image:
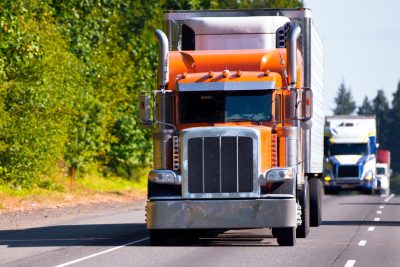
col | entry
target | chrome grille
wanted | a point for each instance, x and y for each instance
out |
(220, 164)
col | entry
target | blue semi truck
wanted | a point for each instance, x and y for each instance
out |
(350, 153)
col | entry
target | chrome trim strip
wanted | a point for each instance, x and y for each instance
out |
(220, 169)
(290, 13)
(237, 163)
(225, 86)
(202, 159)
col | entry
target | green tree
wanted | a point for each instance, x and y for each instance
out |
(381, 108)
(393, 127)
(365, 108)
(380, 103)
(345, 105)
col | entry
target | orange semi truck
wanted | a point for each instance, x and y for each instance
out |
(238, 124)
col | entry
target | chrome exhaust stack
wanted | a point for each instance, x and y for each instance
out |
(163, 63)
(291, 47)
(162, 137)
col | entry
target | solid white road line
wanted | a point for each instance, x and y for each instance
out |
(371, 228)
(381, 207)
(100, 253)
(350, 263)
(362, 243)
(389, 198)
(379, 212)
(377, 219)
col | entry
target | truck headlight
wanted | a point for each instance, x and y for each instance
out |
(278, 175)
(368, 176)
(164, 177)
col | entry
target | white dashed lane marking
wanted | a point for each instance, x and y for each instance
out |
(362, 243)
(389, 198)
(100, 253)
(350, 263)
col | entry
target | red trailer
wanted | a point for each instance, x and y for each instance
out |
(383, 156)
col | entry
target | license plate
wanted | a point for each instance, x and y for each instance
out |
(348, 186)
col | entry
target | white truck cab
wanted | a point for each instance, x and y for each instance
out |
(383, 178)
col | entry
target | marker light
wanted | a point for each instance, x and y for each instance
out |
(368, 176)
(164, 177)
(327, 178)
(278, 175)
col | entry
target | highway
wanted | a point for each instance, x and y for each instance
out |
(357, 230)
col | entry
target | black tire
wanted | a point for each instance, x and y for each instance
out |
(285, 236)
(368, 191)
(315, 187)
(159, 237)
(304, 201)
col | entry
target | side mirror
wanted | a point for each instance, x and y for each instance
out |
(144, 110)
(306, 104)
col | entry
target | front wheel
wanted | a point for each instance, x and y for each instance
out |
(368, 191)
(285, 236)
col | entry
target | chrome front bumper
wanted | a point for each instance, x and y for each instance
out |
(221, 214)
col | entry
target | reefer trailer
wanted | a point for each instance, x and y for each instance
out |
(238, 124)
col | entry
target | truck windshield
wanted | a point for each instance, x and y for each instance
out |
(225, 106)
(380, 171)
(348, 149)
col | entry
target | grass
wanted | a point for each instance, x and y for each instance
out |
(60, 191)
(109, 184)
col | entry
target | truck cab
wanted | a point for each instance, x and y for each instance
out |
(350, 153)
(383, 178)
(233, 124)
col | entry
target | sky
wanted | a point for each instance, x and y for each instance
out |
(361, 46)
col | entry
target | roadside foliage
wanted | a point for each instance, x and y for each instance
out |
(70, 76)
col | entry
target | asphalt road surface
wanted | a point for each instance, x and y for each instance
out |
(357, 230)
